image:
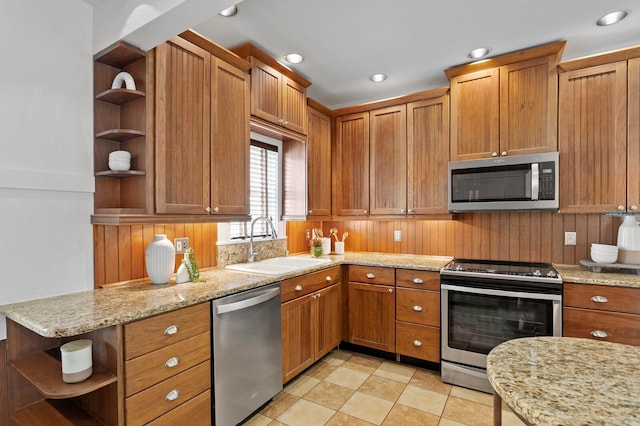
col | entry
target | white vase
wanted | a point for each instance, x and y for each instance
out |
(160, 259)
(629, 234)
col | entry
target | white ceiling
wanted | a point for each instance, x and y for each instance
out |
(412, 41)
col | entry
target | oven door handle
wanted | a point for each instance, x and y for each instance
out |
(493, 292)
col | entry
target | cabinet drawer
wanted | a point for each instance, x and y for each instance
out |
(305, 284)
(411, 278)
(151, 368)
(158, 399)
(152, 333)
(372, 274)
(619, 328)
(418, 341)
(197, 410)
(418, 306)
(618, 299)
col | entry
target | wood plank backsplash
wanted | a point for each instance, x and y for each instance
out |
(537, 237)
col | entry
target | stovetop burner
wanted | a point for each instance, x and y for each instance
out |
(502, 270)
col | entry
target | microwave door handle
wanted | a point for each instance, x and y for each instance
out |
(535, 180)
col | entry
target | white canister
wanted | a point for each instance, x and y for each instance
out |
(339, 247)
(326, 246)
(160, 259)
(629, 234)
(76, 360)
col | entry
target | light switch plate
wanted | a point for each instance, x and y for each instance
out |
(569, 238)
(397, 236)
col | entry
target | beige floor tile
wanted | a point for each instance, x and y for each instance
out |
(347, 377)
(342, 419)
(276, 423)
(279, 405)
(366, 407)
(472, 395)
(258, 420)
(401, 415)
(301, 385)
(306, 413)
(395, 371)
(423, 399)
(329, 395)
(382, 388)
(362, 363)
(468, 412)
(321, 370)
(447, 422)
(430, 380)
(339, 356)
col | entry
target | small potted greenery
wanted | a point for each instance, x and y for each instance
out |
(316, 246)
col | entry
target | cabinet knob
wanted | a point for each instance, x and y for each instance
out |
(418, 281)
(410, 211)
(173, 395)
(417, 308)
(285, 122)
(172, 362)
(365, 211)
(599, 299)
(328, 278)
(172, 329)
(390, 290)
(494, 154)
(310, 212)
(599, 334)
(403, 211)
(371, 275)
(621, 207)
(298, 288)
(417, 343)
(634, 208)
(216, 209)
(208, 210)
(503, 153)
(281, 121)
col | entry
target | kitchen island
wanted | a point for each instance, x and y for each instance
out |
(568, 381)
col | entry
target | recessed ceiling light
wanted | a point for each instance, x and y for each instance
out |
(611, 18)
(377, 78)
(479, 52)
(229, 12)
(293, 58)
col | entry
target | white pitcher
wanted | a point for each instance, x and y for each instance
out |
(629, 234)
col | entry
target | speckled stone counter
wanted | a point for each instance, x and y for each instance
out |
(76, 313)
(580, 274)
(567, 381)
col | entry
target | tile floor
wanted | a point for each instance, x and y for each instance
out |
(347, 388)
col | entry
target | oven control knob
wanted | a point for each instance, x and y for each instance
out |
(537, 273)
(552, 274)
(448, 267)
(459, 268)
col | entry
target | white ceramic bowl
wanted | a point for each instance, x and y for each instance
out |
(120, 155)
(117, 165)
(607, 248)
(600, 257)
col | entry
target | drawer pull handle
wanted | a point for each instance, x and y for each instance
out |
(172, 329)
(417, 343)
(417, 308)
(599, 299)
(418, 281)
(370, 275)
(298, 287)
(328, 278)
(172, 362)
(599, 334)
(173, 395)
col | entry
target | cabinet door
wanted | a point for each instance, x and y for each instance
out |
(319, 164)
(427, 156)
(633, 142)
(388, 160)
(372, 316)
(294, 106)
(593, 134)
(183, 76)
(265, 91)
(351, 177)
(529, 107)
(298, 343)
(329, 308)
(229, 139)
(475, 120)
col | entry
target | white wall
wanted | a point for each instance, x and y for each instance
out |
(46, 149)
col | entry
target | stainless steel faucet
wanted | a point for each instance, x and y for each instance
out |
(274, 234)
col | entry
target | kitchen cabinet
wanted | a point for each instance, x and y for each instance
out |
(318, 160)
(601, 313)
(418, 314)
(372, 307)
(505, 106)
(311, 319)
(278, 95)
(202, 132)
(120, 124)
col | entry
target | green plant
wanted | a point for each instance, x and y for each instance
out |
(192, 266)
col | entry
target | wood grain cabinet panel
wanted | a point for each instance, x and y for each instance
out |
(418, 341)
(418, 306)
(293, 288)
(298, 327)
(420, 280)
(197, 410)
(318, 164)
(633, 135)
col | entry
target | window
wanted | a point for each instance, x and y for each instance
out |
(264, 188)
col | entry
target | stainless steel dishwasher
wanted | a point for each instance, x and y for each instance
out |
(247, 352)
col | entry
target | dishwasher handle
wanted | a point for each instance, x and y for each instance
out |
(247, 303)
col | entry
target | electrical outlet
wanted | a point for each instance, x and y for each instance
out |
(569, 238)
(397, 235)
(307, 234)
(181, 244)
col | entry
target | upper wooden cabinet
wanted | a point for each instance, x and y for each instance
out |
(506, 105)
(318, 164)
(278, 95)
(202, 132)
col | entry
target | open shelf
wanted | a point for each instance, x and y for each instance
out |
(119, 96)
(119, 135)
(119, 55)
(53, 413)
(120, 173)
(44, 372)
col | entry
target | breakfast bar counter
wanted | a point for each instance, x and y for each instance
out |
(566, 381)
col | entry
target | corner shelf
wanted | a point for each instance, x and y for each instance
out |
(120, 173)
(54, 412)
(119, 135)
(119, 96)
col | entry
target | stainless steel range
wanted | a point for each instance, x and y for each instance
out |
(484, 303)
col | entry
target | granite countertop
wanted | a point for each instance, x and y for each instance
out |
(76, 313)
(567, 381)
(580, 274)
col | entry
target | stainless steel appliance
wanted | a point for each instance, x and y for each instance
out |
(484, 303)
(521, 182)
(247, 352)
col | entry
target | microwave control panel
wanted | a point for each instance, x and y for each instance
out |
(547, 188)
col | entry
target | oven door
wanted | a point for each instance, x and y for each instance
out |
(475, 320)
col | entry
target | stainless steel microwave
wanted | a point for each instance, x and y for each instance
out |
(521, 182)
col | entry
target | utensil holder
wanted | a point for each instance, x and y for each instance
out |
(339, 247)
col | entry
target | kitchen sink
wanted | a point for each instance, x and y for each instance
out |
(278, 265)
